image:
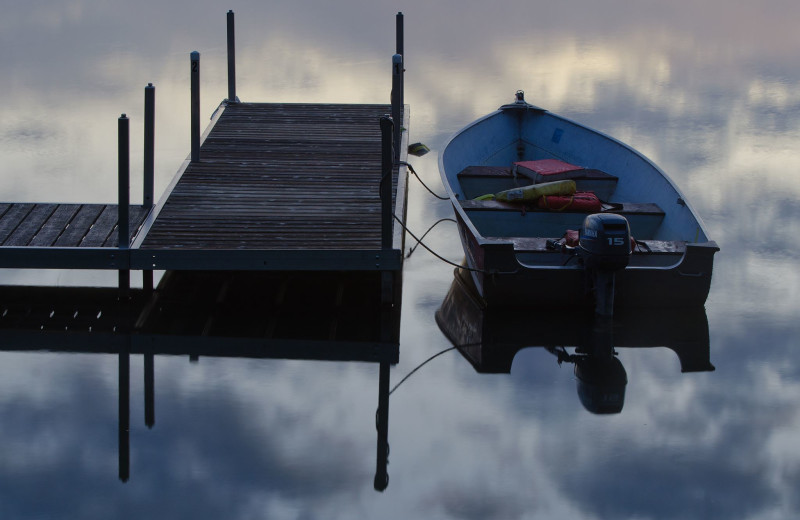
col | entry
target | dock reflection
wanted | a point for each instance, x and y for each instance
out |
(490, 338)
(270, 315)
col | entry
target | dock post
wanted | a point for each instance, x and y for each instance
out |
(399, 50)
(149, 164)
(399, 33)
(231, 60)
(195, 126)
(397, 102)
(149, 144)
(123, 210)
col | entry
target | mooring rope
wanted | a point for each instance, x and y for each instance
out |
(446, 219)
(434, 253)
(420, 366)
(411, 168)
(431, 251)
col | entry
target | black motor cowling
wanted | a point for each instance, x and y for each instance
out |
(604, 247)
(605, 242)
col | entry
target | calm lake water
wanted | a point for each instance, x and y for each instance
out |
(709, 90)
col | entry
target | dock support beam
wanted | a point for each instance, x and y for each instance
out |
(149, 144)
(399, 34)
(123, 209)
(397, 102)
(387, 277)
(231, 60)
(149, 164)
(387, 162)
(195, 125)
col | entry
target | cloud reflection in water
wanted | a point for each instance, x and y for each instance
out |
(709, 91)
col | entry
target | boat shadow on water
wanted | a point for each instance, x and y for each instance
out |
(267, 315)
(490, 337)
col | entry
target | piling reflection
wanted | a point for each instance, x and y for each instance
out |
(490, 338)
(304, 316)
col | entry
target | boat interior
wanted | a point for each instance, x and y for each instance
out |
(529, 227)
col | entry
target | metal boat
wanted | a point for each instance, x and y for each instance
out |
(642, 245)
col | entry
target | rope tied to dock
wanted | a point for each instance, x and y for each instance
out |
(412, 249)
(421, 243)
(411, 169)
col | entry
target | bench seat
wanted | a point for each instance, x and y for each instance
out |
(495, 218)
(480, 180)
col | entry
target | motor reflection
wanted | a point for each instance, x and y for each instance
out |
(489, 338)
(599, 374)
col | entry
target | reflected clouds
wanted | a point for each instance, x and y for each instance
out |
(216, 450)
(709, 91)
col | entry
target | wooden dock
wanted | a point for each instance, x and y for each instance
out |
(269, 186)
(277, 187)
(278, 233)
(67, 236)
(302, 191)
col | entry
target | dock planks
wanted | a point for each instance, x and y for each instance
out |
(63, 225)
(280, 177)
(277, 187)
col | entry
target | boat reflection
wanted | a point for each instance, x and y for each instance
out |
(489, 338)
(308, 316)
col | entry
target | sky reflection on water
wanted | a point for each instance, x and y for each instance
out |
(710, 91)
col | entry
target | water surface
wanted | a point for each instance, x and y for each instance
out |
(708, 90)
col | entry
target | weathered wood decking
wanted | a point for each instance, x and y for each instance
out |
(63, 225)
(63, 235)
(279, 177)
(277, 187)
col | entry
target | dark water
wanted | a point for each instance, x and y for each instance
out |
(709, 91)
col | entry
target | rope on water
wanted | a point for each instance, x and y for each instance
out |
(420, 366)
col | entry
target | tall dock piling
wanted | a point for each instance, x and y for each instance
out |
(399, 33)
(195, 104)
(123, 207)
(397, 102)
(149, 164)
(231, 60)
(149, 145)
(387, 162)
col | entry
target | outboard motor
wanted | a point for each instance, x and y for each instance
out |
(604, 247)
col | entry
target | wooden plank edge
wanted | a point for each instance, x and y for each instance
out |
(267, 260)
(401, 193)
